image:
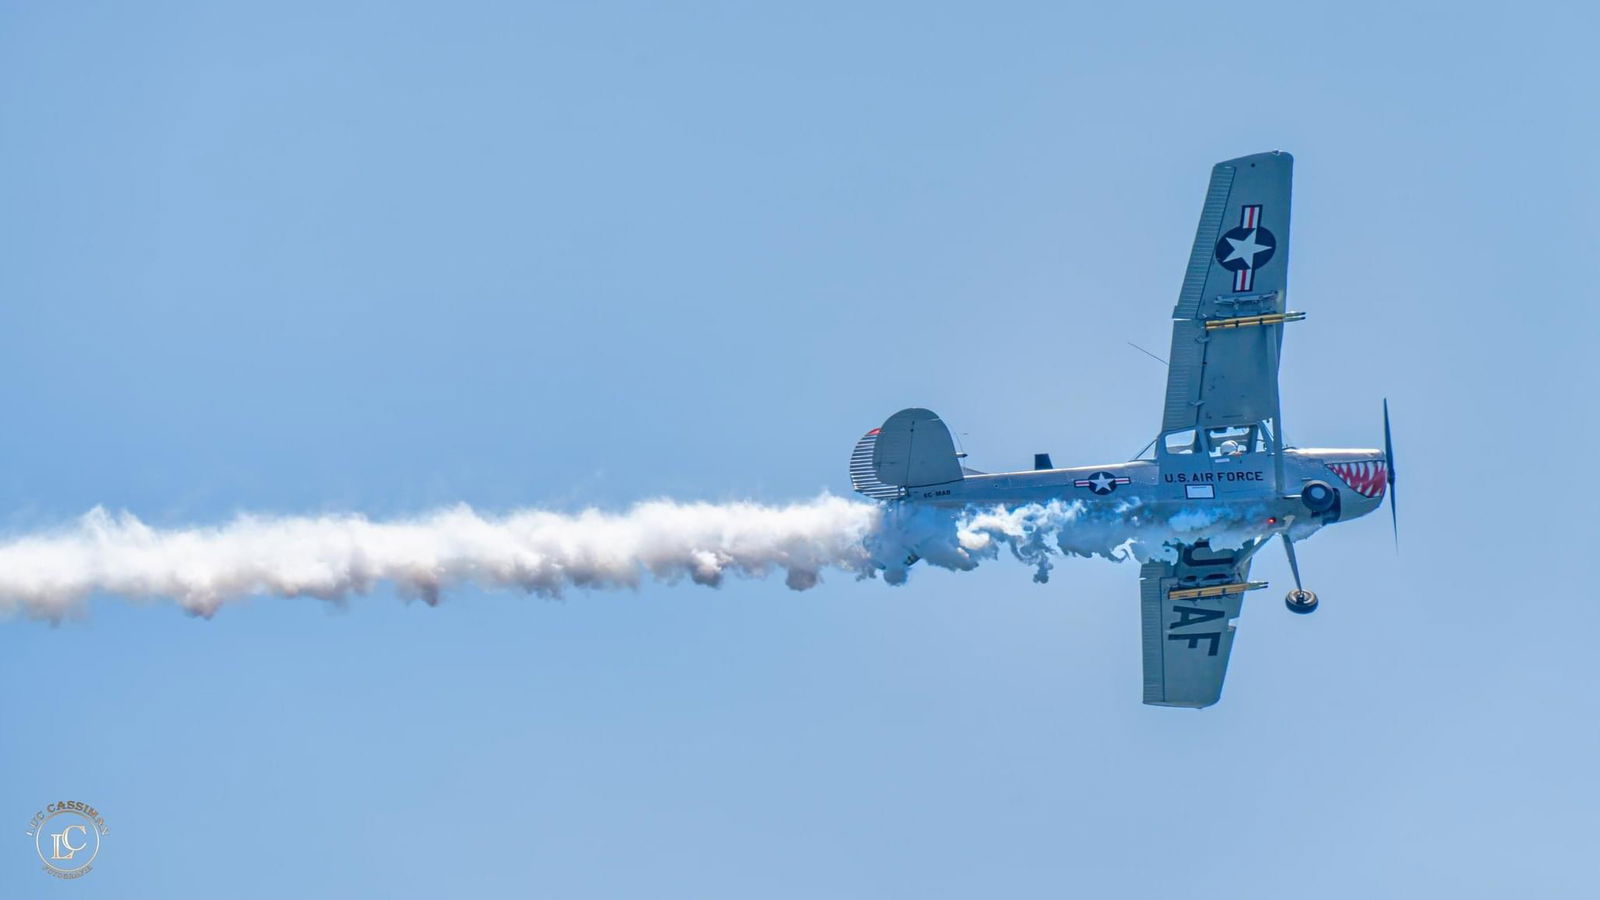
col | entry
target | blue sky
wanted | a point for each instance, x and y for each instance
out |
(383, 257)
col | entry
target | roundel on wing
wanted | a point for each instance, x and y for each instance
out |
(1246, 248)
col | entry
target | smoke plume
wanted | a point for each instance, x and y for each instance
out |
(48, 575)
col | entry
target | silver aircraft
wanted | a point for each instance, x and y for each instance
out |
(1219, 485)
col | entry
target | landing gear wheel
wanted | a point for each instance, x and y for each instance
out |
(1301, 602)
(1318, 496)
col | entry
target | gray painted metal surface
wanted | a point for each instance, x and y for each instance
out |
(1218, 458)
(1239, 266)
(914, 448)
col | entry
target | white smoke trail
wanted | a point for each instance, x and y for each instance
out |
(332, 557)
(545, 553)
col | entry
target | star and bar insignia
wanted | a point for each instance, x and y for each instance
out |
(1102, 482)
(1247, 248)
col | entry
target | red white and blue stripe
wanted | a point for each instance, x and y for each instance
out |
(1249, 219)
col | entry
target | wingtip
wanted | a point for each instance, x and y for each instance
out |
(1279, 157)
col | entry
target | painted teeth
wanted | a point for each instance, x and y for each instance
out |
(1368, 477)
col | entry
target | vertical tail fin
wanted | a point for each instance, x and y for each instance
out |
(912, 449)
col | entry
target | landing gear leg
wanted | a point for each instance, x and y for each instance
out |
(1298, 600)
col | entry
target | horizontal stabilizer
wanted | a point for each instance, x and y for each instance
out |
(863, 477)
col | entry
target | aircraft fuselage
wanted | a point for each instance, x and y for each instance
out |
(1243, 488)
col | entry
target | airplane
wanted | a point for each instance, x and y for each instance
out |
(1219, 457)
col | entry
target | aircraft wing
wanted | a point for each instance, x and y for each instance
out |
(1238, 269)
(1187, 639)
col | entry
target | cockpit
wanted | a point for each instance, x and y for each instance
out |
(1224, 442)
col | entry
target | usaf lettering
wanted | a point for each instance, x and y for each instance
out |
(1194, 615)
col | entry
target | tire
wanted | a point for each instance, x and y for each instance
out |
(1318, 496)
(1301, 602)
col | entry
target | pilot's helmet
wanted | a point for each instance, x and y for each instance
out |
(1231, 448)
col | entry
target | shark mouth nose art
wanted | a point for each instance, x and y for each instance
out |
(1368, 477)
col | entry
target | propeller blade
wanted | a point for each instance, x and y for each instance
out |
(1388, 458)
